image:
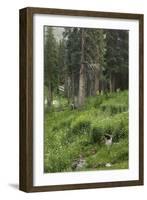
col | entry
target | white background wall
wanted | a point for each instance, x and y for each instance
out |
(9, 93)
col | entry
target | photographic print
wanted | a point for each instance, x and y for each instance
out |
(81, 99)
(85, 99)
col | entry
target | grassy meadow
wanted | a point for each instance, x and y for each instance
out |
(74, 138)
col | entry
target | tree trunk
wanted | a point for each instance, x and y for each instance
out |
(67, 88)
(49, 95)
(112, 83)
(97, 77)
(73, 87)
(82, 87)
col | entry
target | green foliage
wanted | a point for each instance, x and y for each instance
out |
(61, 61)
(94, 101)
(117, 156)
(80, 125)
(70, 134)
(117, 44)
(116, 56)
(50, 58)
(97, 134)
(116, 126)
(107, 50)
(115, 103)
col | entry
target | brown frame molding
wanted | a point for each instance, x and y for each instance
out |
(26, 99)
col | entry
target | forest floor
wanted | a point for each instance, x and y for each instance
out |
(74, 140)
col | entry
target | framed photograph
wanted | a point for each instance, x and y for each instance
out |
(81, 99)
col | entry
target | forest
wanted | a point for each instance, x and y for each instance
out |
(85, 99)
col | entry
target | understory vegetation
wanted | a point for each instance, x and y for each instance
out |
(74, 139)
(85, 99)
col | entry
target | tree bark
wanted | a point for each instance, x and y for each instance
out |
(97, 77)
(73, 87)
(67, 88)
(112, 82)
(82, 86)
(49, 95)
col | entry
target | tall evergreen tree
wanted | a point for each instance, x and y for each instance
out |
(84, 47)
(50, 62)
(73, 61)
(117, 59)
(61, 62)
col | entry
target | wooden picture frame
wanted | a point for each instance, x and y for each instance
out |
(26, 174)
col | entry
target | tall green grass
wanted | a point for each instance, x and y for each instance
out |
(69, 134)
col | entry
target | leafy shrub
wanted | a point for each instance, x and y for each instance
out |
(80, 125)
(120, 123)
(97, 133)
(116, 126)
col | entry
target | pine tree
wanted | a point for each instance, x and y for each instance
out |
(61, 62)
(117, 59)
(50, 63)
(85, 47)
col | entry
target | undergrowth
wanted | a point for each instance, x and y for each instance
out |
(71, 134)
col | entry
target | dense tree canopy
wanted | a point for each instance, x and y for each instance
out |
(85, 62)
